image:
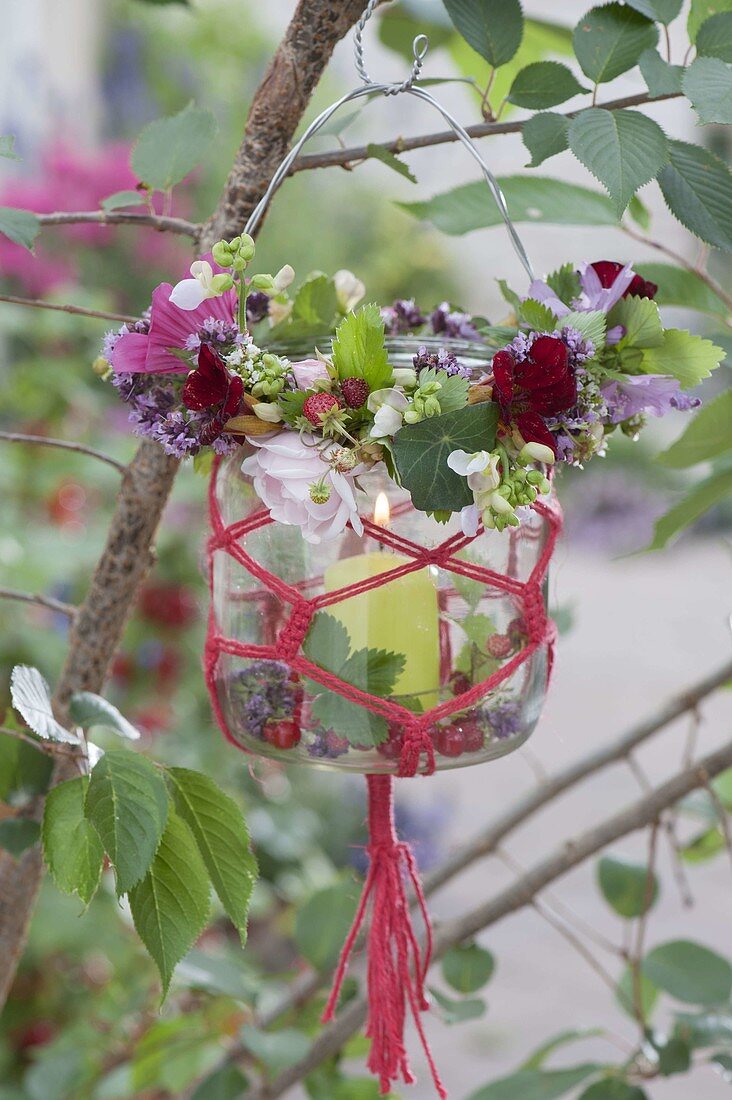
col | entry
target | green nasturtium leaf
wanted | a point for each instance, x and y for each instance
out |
(169, 148)
(322, 923)
(71, 846)
(689, 972)
(493, 28)
(316, 302)
(625, 886)
(707, 436)
(674, 1056)
(610, 39)
(623, 149)
(704, 846)
(545, 135)
(715, 37)
(171, 903)
(661, 77)
(708, 85)
(640, 319)
(421, 452)
(697, 187)
(468, 967)
(544, 84)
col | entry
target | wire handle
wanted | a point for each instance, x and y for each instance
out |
(368, 89)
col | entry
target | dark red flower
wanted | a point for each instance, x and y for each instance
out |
(211, 385)
(543, 385)
(607, 272)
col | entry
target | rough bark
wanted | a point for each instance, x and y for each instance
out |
(278, 105)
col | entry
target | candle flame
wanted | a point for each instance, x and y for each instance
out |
(382, 512)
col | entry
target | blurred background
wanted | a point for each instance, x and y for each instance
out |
(78, 80)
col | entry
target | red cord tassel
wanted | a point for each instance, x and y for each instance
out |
(397, 967)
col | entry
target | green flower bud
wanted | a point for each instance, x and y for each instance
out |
(246, 247)
(262, 282)
(239, 264)
(222, 254)
(220, 283)
(102, 367)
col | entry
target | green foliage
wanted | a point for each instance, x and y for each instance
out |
(707, 436)
(708, 84)
(121, 199)
(592, 325)
(661, 77)
(697, 188)
(610, 39)
(704, 846)
(227, 1083)
(17, 834)
(169, 148)
(275, 1049)
(31, 698)
(640, 319)
(545, 135)
(627, 994)
(453, 392)
(697, 501)
(612, 1088)
(674, 1056)
(421, 452)
(457, 1011)
(688, 358)
(626, 887)
(359, 350)
(90, 711)
(468, 967)
(222, 837)
(565, 283)
(315, 303)
(7, 147)
(544, 84)
(19, 226)
(71, 846)
(539, 1057)
(24, 770)
(715, 37)
(127, 803)
(689, 972)
(536, 315)
(622, 149)
(702, 10)
(661, 11)
(536, 1084)
(381, 153)
(678, 287)
(322, 923)
(493, 28)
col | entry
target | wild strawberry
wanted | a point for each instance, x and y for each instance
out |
(499, 646)
(473, 734)
(516, 631)
(450, 740)
(283, 735)
(460, 683)
(392, 748)
(355, 392)
(318, 405)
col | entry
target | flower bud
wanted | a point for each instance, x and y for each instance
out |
(102, 367)
(536, 452)
(262, 282)
(246, 247)
(405, 377)
(222, 254)
(265, 410)
(221, 283)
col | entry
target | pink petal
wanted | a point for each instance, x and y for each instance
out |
(130, 353)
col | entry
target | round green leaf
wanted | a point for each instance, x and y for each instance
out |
(623, 149)
(624, 886)
(626, 994)
(544, 84)
(715, 37)
(698, 190)
(612, 1088)
(708, 84)
(609, 40)
(544, 135)
(493, 28)
(322, 923)
(468, 968)
(689, 972)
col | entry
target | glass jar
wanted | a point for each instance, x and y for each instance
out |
(422, 640)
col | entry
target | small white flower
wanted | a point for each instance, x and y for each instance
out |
(278, 311)
(388, 407)
(283, 279)
(349, 289)
(464, 463)
(536, 452)
(191, 293)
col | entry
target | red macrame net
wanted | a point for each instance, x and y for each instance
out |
(397, 966)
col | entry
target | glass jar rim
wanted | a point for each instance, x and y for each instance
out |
(403, 344)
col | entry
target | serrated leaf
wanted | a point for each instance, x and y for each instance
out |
(688, 358)
(322, 923)
(700, 11)
(454, 1011)
(536, 1084)
(453, 392)
(7, 147)
(17, 834)
(19, 226)
(661, 77)
(316, 302)
(715, 37)
(689, 972)
(170, 905)
(391, 160)
(678, 287)
(31, 697)
(127, 803)
(609, 40)
(544, 84)
(697, 188)
(612, 1088)
(359, 349)
(698, 501)
(622, 149)
(545, 135)
(565, 283)
(90, 710)
(120, 199)
(468, 967)
(591, 325)
(169, 148)
(708, 84)
(71, 846)
(493, 28)
(537, 316)
(662, 11)
(708, 435)
(421, 452)
(640, 319)
(625, 886)
(221, 834)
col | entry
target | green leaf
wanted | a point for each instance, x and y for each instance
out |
(609, 40)
(537, 316)
(723, 788)
(453, 1011)
(421, 452)
(453, 392)
(359, 350)
(545, 135)
(169, 148)
(493, 28)
(591, 325)
(172, 1053)
(468, 967)
(227, 1083)
(7, 147)
(381, 153)
(626, 995)
(698, 501)
(701, 10)
(640, 319)
(715, 37)
(316, 302)
(19, 226)
(322, 923)
(221, 834)
(625, 886)
(327, 643)
(120, 199)
(529, 198)
(24, 770)
(708, 84)
(674, 1057)
(71, 847)
(565, 283)
(171, 903)
(688, 358)
(704, 846)
(539, 1057)
(276, 1049)
(678, 287)
(660, 77)
(30, 696)
(127, 803)
(640, 213)
(661, 11)
(622, 149)
(708, 435)
(544, 84)
(90, 710)
(612, 1088)
(704, 1029)
(17, 834)
(689, 972)
(536, 1084)
(697, 188)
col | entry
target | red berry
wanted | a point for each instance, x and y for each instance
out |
(460, 683)
(36, 1034)
(516, 631)
(283, 735)
(499, 646)
(318, 405)
(335, 743)
(355, 392)
(450, 741)
(473, 734)
(392, 748)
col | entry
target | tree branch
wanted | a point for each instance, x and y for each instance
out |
(346, 158)
(81, 311)
(65, 445)
(117, 217)
(695, 269)
(48, 602)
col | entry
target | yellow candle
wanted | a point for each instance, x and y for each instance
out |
(401, 616)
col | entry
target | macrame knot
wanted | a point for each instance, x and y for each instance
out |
(416, 741)
(534, 613)
(294, 630)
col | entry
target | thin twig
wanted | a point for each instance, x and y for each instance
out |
(700, 273)
(51, 748)
(669, 827)
(636, 957)
(65, 445)
(48, 602)
(163, 223)
(723, 818)
(81, 311)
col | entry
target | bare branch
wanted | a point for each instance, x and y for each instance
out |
(65, 445)
(80, 311)
(51, 748)
(117, 217)
(347, 158)
(48, 602)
